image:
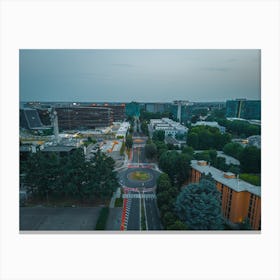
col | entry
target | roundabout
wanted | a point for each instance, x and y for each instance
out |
(138, 177)
(141, 176)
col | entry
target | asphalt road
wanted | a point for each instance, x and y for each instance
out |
(134, 215)
(153, 220)
(152, 214)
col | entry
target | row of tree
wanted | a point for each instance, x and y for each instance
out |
(166, 196)
(240, 128)
(205, 137)
(216, 161)
(147, 116)
(249, 157)
(70, 176)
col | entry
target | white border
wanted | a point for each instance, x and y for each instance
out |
(156, 24)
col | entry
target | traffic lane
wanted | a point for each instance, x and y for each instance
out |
(153, 219)
(142, 156)
(134, 215)
(135, 157)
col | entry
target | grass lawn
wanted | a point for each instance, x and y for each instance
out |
(140, 176)
(119, 202)
(254, 179)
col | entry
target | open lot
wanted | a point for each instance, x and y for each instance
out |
(66, 218)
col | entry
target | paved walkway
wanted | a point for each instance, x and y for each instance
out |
(114, 219)
(115, 195)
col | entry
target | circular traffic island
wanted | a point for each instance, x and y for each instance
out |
(139, 176)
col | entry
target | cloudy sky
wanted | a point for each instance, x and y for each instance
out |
(139, 75)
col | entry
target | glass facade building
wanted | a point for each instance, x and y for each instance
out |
(244, 109)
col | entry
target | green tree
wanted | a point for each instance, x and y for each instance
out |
(250, 160)
(71, 176)
(158, 135)
(205, 137)
(150, 151)
(122, 149)
(129, 142)
(176, 165)
(192, 140)
(188, 150)
(233, 149)
(199, 206)
(177, 225)
(161, 148)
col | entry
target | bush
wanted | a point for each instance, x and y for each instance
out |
(119, 202)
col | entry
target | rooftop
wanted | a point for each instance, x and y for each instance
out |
(237, 185)
(59, 149)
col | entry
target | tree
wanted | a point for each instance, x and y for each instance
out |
(70, 176)
(129, 142)
(122, 149)
(199, 206)
(150, 151)
(161, 148)
(158, 135)
(144, 128)
(176, 165)
(188, 150)
(177, 225)
(205, 137)
(233, 149)
(250, 160)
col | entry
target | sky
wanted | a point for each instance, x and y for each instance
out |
(139, 75)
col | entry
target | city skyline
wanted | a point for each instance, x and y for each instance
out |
(139, 75)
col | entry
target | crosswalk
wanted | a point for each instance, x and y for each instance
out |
(137, 195)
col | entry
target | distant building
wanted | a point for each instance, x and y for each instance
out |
(29, 119)
(132, 109)
(123, 129)
(240, 200)
(59, 150)
(170, 127)
(254, 140)
(156, 107)
(173, 141)
(83, 117)
(211, 124)
(118, 110)
(245, 109)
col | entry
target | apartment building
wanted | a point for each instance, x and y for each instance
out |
(240, 200)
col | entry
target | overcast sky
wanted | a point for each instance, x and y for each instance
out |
(139, 75)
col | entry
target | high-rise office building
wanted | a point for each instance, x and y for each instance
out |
(244, 109)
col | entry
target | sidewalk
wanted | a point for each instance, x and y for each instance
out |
(116, 194)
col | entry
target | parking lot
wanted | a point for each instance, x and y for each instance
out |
(58, 218)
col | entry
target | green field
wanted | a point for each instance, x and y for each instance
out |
(139, 176)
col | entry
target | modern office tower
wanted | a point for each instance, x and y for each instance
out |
(29, 119)
(179, 104)
(84, 117)
(239, 199)
(132, 109)
(117, 109)
(244, 109)
(156, 107)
